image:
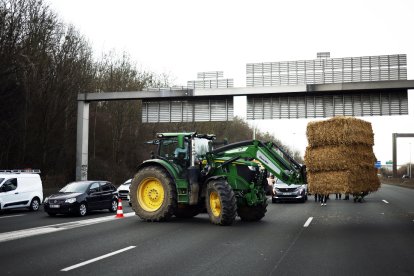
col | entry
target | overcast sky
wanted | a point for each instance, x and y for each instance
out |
(183, 37)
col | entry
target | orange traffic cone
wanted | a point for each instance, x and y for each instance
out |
(119, 212)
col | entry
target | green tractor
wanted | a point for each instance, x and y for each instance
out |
(186, 176)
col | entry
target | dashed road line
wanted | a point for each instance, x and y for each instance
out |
(14, 235)
(98, 258)
(308, 222)
(12, 216)
(385, 201)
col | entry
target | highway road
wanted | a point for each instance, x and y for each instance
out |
(342, 238)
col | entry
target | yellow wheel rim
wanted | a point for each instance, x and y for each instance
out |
(150, 194)
(215, 204)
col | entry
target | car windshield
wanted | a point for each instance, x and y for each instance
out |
(75, 187)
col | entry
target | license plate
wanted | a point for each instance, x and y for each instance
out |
(287, 193)
(54, 206)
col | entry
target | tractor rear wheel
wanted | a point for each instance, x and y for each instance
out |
(153, 194)
(252, 213)
(221, 202)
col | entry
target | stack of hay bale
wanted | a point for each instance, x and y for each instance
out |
(339, 158)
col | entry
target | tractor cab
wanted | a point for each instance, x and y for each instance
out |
(183, 149)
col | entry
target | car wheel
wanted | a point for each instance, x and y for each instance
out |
(114, 206)
(35, 204)
(274, 200)
(52, 214)
(82, 209)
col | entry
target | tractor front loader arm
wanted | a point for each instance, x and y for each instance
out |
(272, 157)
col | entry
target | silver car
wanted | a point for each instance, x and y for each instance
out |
(293, 192)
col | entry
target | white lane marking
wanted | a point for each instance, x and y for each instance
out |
(308, 222)
(14, 235)
(98, 258)
(385, 201)
(27, 233)
(12, 216)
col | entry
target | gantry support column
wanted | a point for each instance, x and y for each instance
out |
(82, 141)
(394, 154)
(394, 149)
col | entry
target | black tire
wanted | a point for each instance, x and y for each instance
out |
(274, 200)
(52, 214)
(225, 209)
(82, 209)
(163, 208)
(188, 211)
(252, 213)
(34, 204)
(114, 206)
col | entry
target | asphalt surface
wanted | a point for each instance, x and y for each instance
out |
(343, 238)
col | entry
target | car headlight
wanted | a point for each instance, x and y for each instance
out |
(70, 200)
(46, 200)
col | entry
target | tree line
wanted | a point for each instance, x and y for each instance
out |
(45, 64)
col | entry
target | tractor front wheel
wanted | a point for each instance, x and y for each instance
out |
(153, 194)
(221, 202)
(252, 213)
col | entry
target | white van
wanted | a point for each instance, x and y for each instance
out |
(20, 188)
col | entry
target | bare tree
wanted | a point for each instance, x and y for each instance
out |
(45, 64)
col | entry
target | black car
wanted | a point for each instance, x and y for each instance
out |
(81, 197)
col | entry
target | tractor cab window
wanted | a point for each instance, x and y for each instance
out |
(170, 150)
